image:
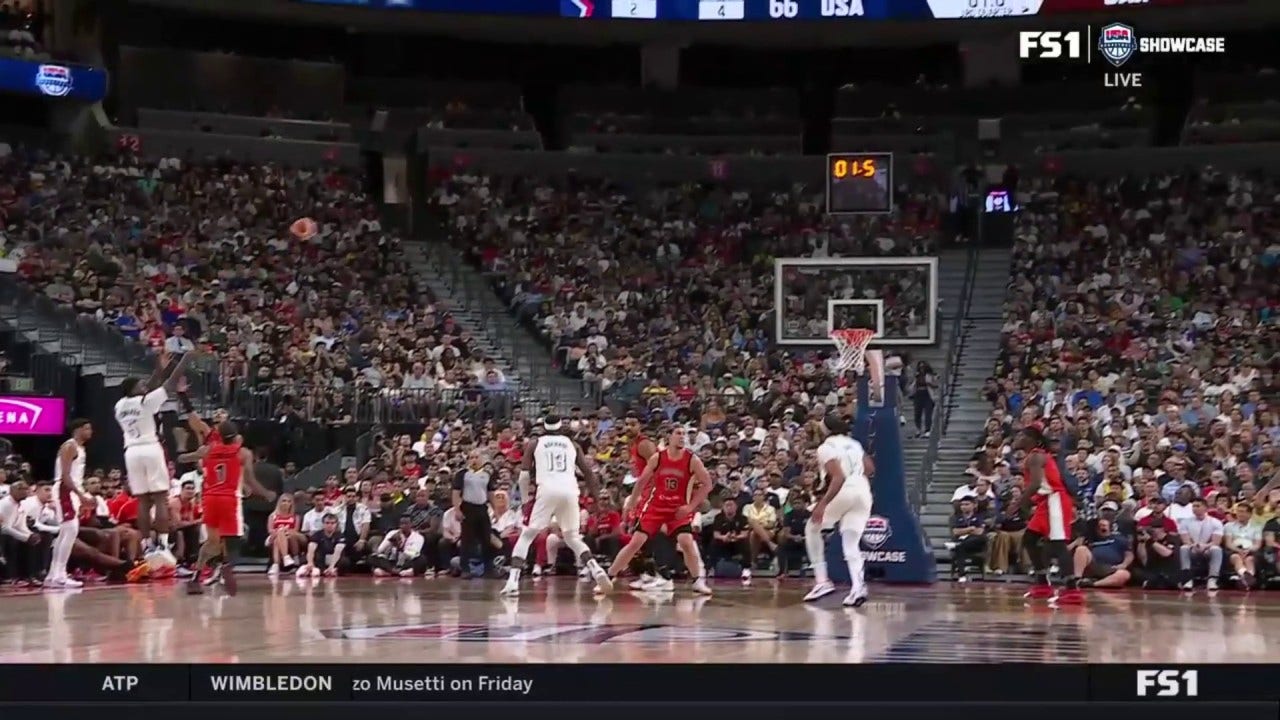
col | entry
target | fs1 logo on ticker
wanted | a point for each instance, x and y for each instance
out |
(1117, 44)
(1168, 683)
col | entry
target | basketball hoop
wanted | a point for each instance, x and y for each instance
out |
(851, 345)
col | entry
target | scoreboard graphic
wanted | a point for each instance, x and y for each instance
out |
(765, 10)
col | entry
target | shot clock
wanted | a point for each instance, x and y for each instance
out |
(860, 183)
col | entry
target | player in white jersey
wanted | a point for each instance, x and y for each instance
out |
(844, 488)
(68, 477)
(554, 458)
(144, 458)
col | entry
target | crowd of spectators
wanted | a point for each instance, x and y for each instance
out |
(666, 295)
(1140, 329)
(21, 27)
(197, 254)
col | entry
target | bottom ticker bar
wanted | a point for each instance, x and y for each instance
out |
(291, 683)
(721, 701)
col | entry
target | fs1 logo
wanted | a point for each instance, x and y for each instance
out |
(54, 80)
(1049, 44)
(1169, 683)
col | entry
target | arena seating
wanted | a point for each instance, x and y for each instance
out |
(1148, 347)
(180, 276)
(20, 28)
(676, 297)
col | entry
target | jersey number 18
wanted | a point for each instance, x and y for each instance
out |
(555, 461)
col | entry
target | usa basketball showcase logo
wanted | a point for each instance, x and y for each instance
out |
(877, 533)
(1117, 43)
(54, 80)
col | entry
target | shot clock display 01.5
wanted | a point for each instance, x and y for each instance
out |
(859, 183)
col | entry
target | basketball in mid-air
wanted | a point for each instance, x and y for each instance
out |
(304, 228)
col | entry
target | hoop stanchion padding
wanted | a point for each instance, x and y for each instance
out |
(894, 545)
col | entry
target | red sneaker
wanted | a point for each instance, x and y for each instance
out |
(1039, 592)
(1070, 597)
(93, 577)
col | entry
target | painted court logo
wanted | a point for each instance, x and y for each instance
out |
(877, 532)
(1117, 43)
(570, 634)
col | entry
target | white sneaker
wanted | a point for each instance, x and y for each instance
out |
(1188, 586)
(643, 582)
(820, 590)
(215, 578)
(274, 570)
(290, 562)
(511, 588)
(62, 583)
(746, 576)
(379, 573)
(604, 583)
(536, 571)
(701, 587)
(183, 573)
(584, 575)
(406, 573)
(661, 585)
(854, 600)
(1211, 583)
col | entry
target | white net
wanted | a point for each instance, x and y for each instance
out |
(851, 349)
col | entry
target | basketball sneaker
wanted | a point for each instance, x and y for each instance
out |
(511, 589)
(820, 590)
(854, 600)
(701, 587)
(643, 582)
(61, 583)
(1039, 592)
(214, 578)
(661, 585)
(140, 572)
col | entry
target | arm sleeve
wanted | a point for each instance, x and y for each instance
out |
(154, 400)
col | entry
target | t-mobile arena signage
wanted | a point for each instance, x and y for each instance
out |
(32, 415)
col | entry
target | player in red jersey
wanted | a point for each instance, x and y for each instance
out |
(672, 487)
(645, 562)
(1053, 511)
(227, 467)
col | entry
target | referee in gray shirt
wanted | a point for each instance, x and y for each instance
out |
(471, 488)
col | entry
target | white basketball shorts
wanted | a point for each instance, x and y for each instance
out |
(561, 506)
(147, 469)
(850, 508)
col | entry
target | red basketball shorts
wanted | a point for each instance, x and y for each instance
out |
(224, 514)
(654, 519)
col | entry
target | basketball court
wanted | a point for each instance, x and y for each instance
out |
(558, 620)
